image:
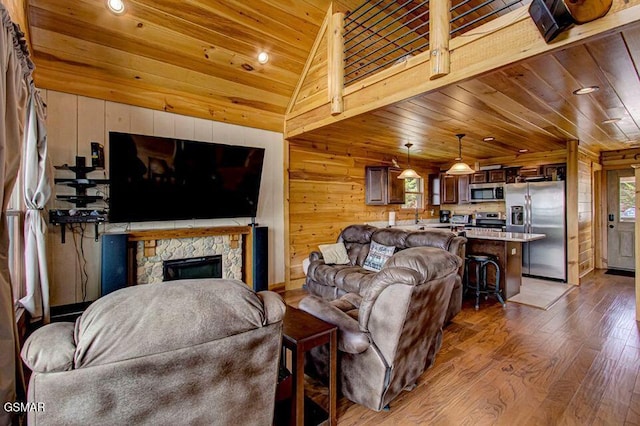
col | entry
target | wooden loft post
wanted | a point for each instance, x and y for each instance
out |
(336, 63)
(637, 240)
(439, 17)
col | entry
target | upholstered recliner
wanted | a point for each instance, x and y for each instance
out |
(388, 336)
(202, 351)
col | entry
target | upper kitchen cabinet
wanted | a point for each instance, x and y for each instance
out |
(383, 186)
(497, 175)
(454, 189)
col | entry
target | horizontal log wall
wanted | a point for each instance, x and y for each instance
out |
(327, 193)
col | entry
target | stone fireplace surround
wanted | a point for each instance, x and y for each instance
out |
(148, 249)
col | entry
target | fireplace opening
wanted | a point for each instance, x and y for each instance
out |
(195, 267)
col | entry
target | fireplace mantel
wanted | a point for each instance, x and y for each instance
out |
(149, 237)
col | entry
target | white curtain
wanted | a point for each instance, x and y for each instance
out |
(37, 191)
(15, 82)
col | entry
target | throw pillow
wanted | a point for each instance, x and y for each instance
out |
(378, 256)
(334, 254)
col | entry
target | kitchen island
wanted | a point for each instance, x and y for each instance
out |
(507, 247)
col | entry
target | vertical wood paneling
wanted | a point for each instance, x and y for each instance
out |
(74, 121)
(573, 238)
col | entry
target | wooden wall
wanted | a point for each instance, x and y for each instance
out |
(327, 193)
(74, 121)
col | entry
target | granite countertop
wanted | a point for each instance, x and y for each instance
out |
(503, 236)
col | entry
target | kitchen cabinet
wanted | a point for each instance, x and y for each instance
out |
(463, 190)
(497, 176)
(382, 186)
(448, 189)
(479, 177)
(454, 189)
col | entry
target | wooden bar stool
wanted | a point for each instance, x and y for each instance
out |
(481, 286)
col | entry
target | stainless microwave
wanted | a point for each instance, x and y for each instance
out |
(483, 192)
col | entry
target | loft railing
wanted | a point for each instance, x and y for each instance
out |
(381, 33)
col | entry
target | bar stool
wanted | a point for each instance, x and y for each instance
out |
(481, 286)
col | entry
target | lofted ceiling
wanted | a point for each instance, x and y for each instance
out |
(193, 57)
(199, 58)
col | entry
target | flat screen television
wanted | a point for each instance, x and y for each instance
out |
(156, 178)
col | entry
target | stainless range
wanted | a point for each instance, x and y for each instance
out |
(490, 221)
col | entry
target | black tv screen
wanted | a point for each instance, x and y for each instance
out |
(156, 178)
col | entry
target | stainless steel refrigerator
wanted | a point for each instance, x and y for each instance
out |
(539, 208)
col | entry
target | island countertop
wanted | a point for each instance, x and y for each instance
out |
(518, 237)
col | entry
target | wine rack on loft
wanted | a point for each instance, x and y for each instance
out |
(81, 183)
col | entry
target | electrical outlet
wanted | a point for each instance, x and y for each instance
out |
(513, 251)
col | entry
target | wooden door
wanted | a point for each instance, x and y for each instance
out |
(621, 219)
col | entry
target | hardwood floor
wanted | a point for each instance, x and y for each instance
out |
(576, 363)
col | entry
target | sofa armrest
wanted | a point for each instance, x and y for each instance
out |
(274, 306)
(50, 348)
(458, 246)
(350, 338)
(315, 255)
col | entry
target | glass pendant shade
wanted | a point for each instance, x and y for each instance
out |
(460, 168)
(408, 173)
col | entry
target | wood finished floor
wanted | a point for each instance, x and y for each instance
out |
(575, 364)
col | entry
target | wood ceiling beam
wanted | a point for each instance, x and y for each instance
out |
(513, 37)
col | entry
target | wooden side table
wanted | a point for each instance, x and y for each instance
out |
(302, 332)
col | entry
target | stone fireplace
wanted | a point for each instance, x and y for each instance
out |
(149, 265)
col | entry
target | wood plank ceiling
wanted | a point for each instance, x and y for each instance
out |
(193, 57)
(199, 58)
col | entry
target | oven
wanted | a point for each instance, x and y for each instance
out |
(484, 192)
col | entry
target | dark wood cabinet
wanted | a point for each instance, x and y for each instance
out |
(497, 175)
(479, 177)
(463, 190)
(383, 186)
(448, 189)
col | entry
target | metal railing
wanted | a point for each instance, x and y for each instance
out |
(381, 33)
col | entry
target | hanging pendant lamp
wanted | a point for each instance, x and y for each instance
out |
(409, 173)
(460, 168)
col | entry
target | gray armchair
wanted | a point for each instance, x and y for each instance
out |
(200, 351)
(390, 335)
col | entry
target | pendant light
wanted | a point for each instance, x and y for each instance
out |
(460, 168)
(408, 173)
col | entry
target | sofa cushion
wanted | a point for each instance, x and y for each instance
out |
(349, 279)
(357, 234)
(335, 254)
(357, 252)
(378, 256)
(323, 273)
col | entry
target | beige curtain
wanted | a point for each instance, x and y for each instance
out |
(37, 191)
(15, 83)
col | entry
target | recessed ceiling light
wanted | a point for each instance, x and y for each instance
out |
(489, 139)
(585, 90)
(611, 120)
(523, 150)
(263, 57)
(116, 6)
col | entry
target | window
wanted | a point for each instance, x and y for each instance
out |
(15, 226)
(627, 201)
(413, 194)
